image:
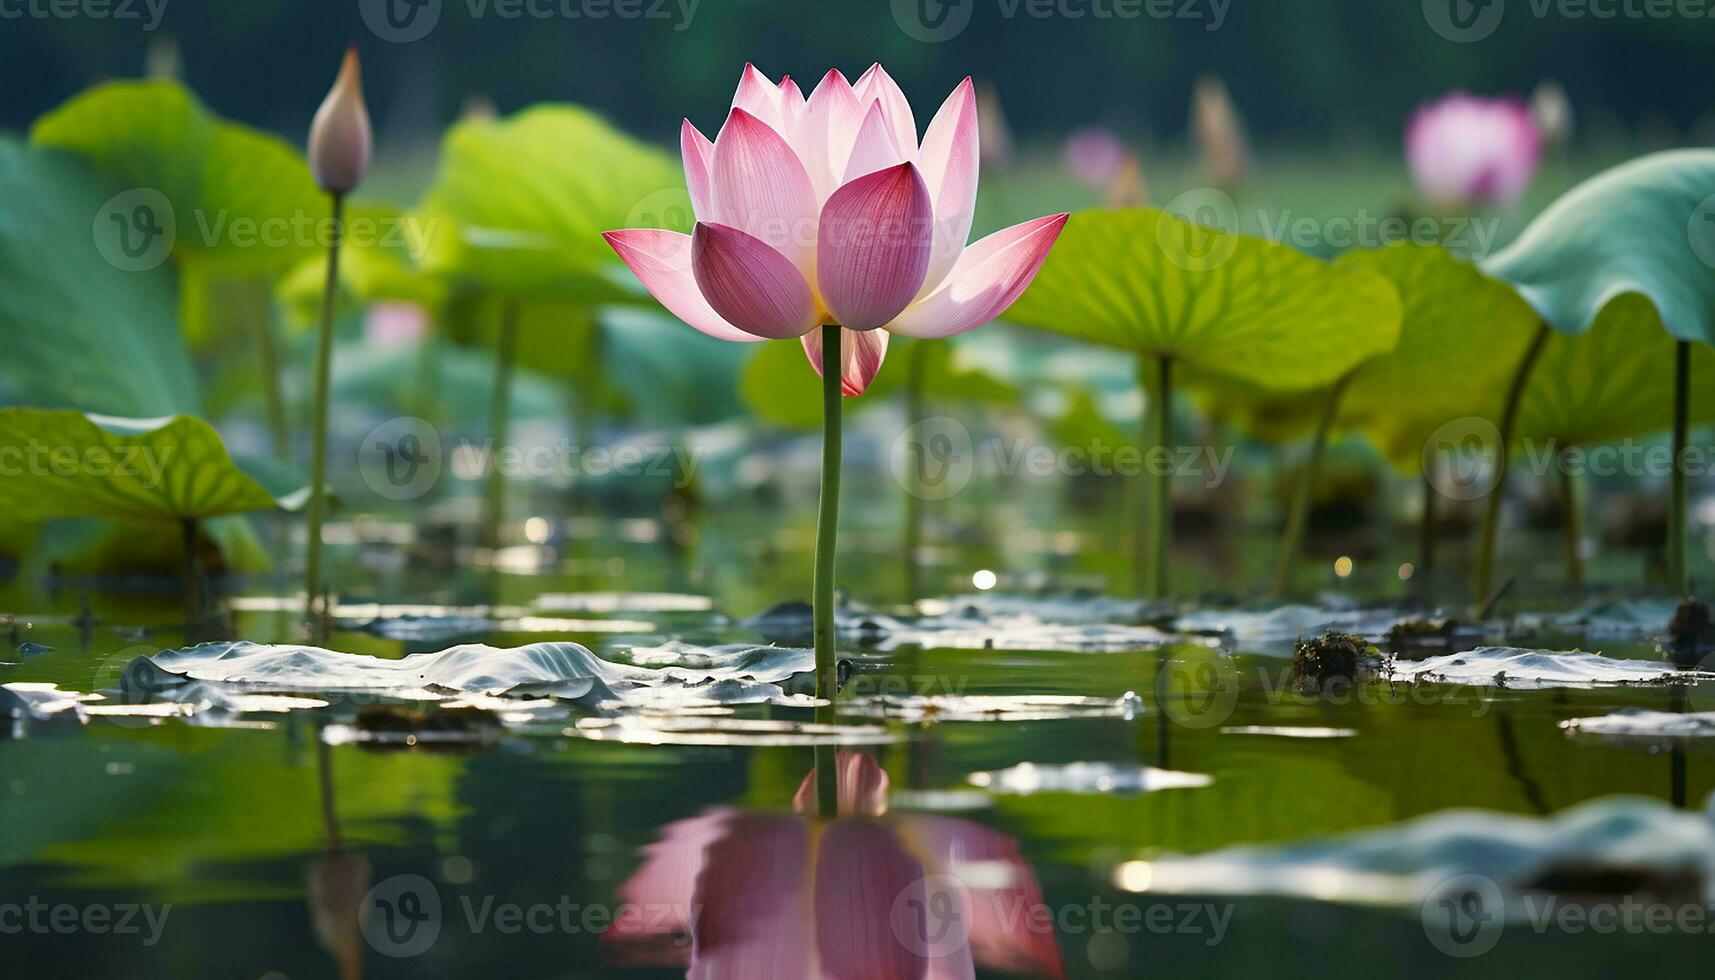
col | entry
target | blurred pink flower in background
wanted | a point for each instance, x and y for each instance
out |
(828, 210)
(395, 324)
(1094, 155)
(1465, 150)
(743, 895)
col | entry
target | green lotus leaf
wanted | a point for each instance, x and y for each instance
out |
(1646, 228)
(57, 463)
(1232, 305)
(241, 199)
(377, 262)
(78, 332)
(1462, 337)
(1612, 382)
(782, 389)
(518, 205)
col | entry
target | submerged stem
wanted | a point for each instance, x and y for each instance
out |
(1492, 509)
(1679, 576)
(195, 603)
(1299, 515)
(1162, 541)
(827, 529)
(315, 599)
(914, 493)
(1572, 521)
(500, 422)
(1427, 529)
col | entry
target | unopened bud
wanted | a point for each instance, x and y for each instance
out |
(340, 135)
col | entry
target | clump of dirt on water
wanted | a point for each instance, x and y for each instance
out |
(1334, 660)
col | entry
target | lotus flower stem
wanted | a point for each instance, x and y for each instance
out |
(1299, 514)
(315, 601)
(1572, 522)
(1161, 408)
(194, 601)
(917, 367)
(1679, 577)
(827, 532)
(500, 421)
(1426, 530)
(1509, 418)
(268, 354)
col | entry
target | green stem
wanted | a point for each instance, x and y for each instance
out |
(194, 594)
(1679, 575)
(918, 365)
(1162, 542)
(500, 422)
(1492, 509)
(1426, 529)
(268, 353)
(827, 529)
(1572, 521)
(1299, 516)
(315, 599)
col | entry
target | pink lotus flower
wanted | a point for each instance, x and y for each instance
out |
(883, 897)
(1094, 155)
(827, 210)
(1467, 150)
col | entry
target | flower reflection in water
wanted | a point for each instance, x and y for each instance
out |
(867, 895)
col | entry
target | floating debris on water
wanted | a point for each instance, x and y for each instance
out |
(1028, 778)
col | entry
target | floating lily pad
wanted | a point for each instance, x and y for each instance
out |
(1644, 725)
(1230, 305)
(566, 671)
(1517, 668)
(1029, 778)
(1405, 865)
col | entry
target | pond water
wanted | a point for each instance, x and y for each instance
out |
(1027, 785)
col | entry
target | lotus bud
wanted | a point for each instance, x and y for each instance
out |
(1553, 112)
(340, 136)
(994, 136)
(1219, 132)
(1129, 188)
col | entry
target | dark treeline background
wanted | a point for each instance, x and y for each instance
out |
(1352, 69)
